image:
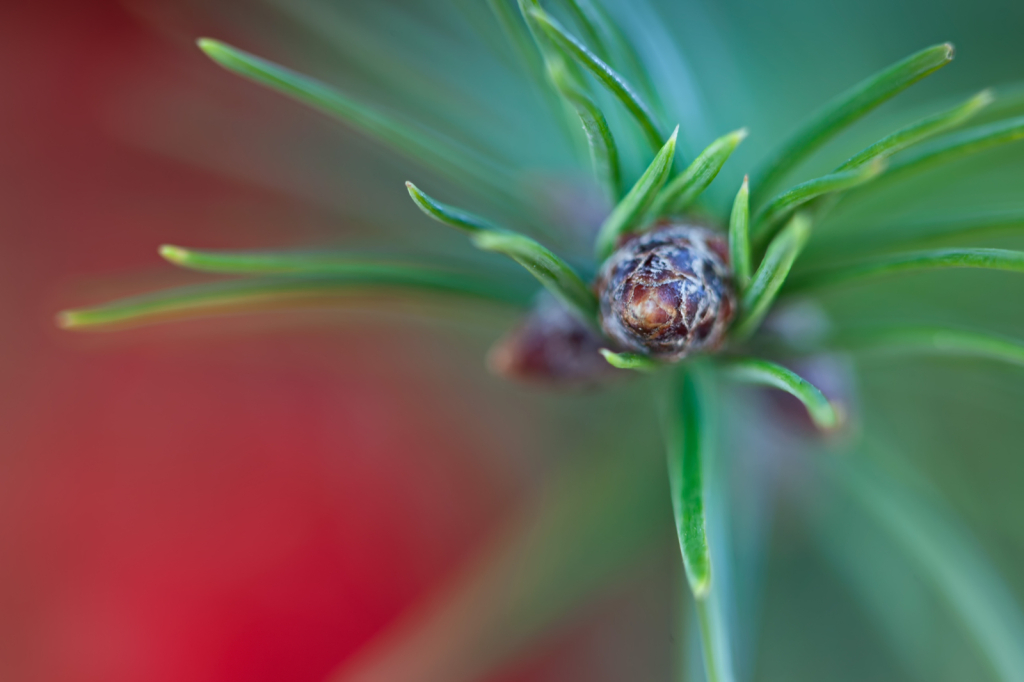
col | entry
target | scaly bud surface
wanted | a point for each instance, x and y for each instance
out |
(668, 293)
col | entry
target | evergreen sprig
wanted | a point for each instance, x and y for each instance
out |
(764, 249)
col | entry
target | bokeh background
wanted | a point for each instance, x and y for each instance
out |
(293, 495)
(175, 507)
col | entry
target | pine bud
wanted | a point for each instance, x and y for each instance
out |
(668, 293)
(554, 347)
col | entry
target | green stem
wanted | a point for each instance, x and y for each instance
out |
(764, 373)
(984, 259)
(920, 130)
(739, 236)
(769, 220)
(616, 84)
(433, 150)
(705, 617)
(552, 272)
(278, 293)
(932, 341)
(629, 213)
(846, 109)
(684, 189)
(771, 275)
(632, 361)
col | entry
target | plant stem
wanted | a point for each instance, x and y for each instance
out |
(705, 616)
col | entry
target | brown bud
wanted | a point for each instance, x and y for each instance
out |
(552, 346)
(668, 293)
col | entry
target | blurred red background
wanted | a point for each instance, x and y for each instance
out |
(197, 504)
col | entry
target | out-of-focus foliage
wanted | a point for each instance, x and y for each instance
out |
(797, 607)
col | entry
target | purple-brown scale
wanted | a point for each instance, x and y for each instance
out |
(668, 293)
(552, 346)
